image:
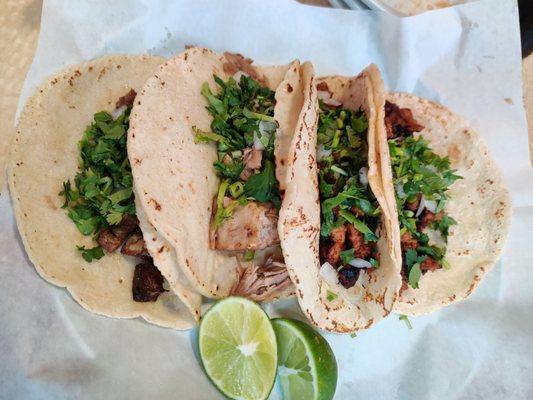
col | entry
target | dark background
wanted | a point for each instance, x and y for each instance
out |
(526, 26)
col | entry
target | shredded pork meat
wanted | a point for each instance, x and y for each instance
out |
(399, 121)
(253, 226)
(263, 283)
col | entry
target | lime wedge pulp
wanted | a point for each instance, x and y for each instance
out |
(307, 368)
(238, 349)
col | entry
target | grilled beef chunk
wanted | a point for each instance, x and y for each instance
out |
(399, 121)
(427, 218)
(348, 276)
(332, 249)
(253, 226)
(135, 245)
(112, 238)
(361, 249)
(127, 99)
(147, 283)
(429, 264)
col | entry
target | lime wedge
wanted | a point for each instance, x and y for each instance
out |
(306, 364)
(238, 349)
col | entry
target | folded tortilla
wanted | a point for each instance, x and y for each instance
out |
(327, 304)
(45, 155)
(479, 202)
(174, 178)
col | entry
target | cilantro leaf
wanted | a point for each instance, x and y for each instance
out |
(89, 255)
(261, 186)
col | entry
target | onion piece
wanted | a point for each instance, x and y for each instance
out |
(363, 176)
(118, 112)
(322, 153)
(421, 206)
(360, 263)
(323, 95)
(237, 75)
(431, 205)
(332, 102)
(399, 190)
(328, 272)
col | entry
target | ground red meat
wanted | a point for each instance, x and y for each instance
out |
(429, 264)
(408, 241)
(427, 218)
(357, 240)
(147, 283)
(335, 245)
(413, 205)
(399, 121)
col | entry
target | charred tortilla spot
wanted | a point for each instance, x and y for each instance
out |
(289, 88)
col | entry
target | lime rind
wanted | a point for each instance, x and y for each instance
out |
(306, 366)
(237, 346)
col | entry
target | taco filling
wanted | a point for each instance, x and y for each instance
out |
(350, 211)
(245, 211)
(421, 179)
(102, 202)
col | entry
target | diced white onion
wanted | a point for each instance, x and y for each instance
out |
(323, 95)
(258, 145)
(363, 176)
(435, 237)
(399, 190)
(360, 263)
(332, 102)
(329, 274)
(118, 111)
(322, 153)
(237, 75)
(421, 206)
(431, 205)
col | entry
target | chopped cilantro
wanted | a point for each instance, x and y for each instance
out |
(88, 255)
(249, 255)
(242, 112)
(331, 296)
(405, 319)
(344, 198)
(102, 192)
(353, 335)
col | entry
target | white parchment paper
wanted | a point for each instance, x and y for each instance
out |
(466, 57)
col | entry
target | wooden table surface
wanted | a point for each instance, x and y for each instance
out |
(19, 28)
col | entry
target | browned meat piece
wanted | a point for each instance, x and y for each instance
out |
(334, 246)
(236, 62)
(112, 238)
(427, 218)
(253, 226)
(357, 212)
(265, 283)
(429, 264)
(357, 240)
(322, 87)
(127, 99)
(135, 245)
(348, 276)
(399, 121)
(408, 241)
(413, 205)
(252, 158)
(147, 283)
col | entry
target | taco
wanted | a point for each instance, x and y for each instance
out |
(207, 145)
(336, 228)
(87, 238)
(452, 203)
